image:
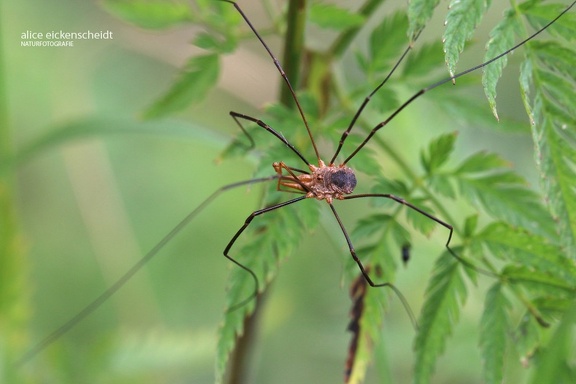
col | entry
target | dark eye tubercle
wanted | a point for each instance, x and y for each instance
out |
(344, 180)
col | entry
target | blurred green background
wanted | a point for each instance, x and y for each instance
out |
(90, 208)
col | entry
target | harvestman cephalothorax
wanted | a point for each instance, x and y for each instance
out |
(320, 180)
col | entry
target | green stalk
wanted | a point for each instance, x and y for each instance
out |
(293, 47)
(238, 369)
(239, 364)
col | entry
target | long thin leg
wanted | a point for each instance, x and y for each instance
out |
(282, 73)
(431, 217)
(98, 301)
(237, 235)
(365, 273)
(369, 97)
(244, 131)
(451, 78)
(236, 116)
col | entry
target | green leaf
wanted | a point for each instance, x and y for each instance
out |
(501, 39)
(502, 194)
(551, 108)
(276, 234)
(554, 306)
(198, 78)
(481, 162)
(150, 14)
(393, 187)
(439, 151)
(541, 14)
(539, 283)
(557, 58)
(419, 12)
(420, 222)
(206, 41)
(529, 250)
(365, 161)
(527, 336)
(384, 101)
(461, 21)
(470, 225)
(420, 62)
(494, 334)
(445, 294)
(382, 224)
(387, 41)
(442, 185)
(290, 125)
(333, 17)
(555, 363)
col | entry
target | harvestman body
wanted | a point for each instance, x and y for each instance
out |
(322, 182)
(326, 182)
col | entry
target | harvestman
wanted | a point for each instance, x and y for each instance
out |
(323, 181)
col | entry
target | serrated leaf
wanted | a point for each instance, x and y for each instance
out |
(385, 100)
(199, 76)
(504, 196)
(382, 224)
(494, 334)
(439, 151)
(442, 185)
(481, 162)
(552, 111)
(372, 224)
(528, 249)
(394, 187)
(538, 283)
(541, 14)
(554, 364)
(556, 57)
(501, 39)
(220, 15)
(387, 41)
(461, 21)
(554, 306)
(365, 161)
(420, 62)
(277, 232)
(445, 294)
(289, 124)
(527, 336)
(333, 17)
(150, 14)
(560, 89)
(470, 225)
(206, 41)
(419, 12)
(421, 223)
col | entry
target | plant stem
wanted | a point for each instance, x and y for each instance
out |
(238, 368)
(293, 47)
